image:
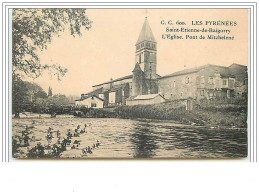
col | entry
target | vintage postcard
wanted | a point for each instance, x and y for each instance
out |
(130, 83)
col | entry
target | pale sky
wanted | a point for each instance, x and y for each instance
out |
(108, 48)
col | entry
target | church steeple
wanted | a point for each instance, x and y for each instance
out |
(146, 33)
(146, 51)
(144, 74)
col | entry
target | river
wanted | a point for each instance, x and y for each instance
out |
(125, 138)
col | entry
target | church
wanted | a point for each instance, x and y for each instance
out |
(145, 86)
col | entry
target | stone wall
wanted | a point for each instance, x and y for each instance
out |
(139, 86)
(178, 87)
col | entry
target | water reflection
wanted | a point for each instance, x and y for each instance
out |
(152, 140)
(144, 141)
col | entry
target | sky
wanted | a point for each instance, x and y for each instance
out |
(107, 50)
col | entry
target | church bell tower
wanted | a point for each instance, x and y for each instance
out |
(146, 49)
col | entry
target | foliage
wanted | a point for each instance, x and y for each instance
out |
(15, 146)
(20, 95)
(35, 90)
(25, 136)
(31, 97)
(51, 150)
(94, 113)
(58, 100)
(24, 94)
(33, 30)
(225, 115)
(36, 152)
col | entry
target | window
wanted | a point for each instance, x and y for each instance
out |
(139, 58)
(202, 80)
(202, 92)
(187, 80)
(93, 105)
(146, 55)
(224, 82)
(211, 80)
(142, 45)
(228, 93)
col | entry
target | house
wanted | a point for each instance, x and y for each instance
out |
(145, 99)
(204, 82)
(90, 102)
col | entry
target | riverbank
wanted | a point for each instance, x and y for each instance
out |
(222, 116)
(214, 116)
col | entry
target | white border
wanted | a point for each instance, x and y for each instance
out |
(130, 176)
(7, 117)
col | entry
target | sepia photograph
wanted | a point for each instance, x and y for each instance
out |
(129, 83)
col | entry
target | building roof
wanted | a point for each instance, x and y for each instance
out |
(146, 33)
(137, 68)
(147, 97)
(90, 97)
(119, 79)
(94, 92)
(240, 71)
(192, 70)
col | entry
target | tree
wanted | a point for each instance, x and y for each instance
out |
(25, 94)
(50, 92)
(33, 30)
(35, 91)
(19, 96)
(58, 100)
(40, 94)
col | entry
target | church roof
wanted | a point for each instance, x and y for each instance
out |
(119, 79)
(146, 33)
(137, 68)
(94, 92)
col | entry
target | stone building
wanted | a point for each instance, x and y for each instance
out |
(209, 81)
(204, 82)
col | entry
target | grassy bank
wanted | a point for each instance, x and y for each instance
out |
(213, 116)
(216, 116)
